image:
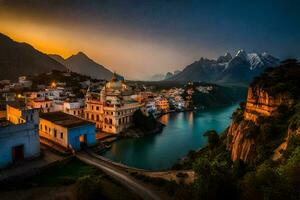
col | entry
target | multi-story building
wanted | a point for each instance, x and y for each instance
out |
(19, 138)
(112, 108)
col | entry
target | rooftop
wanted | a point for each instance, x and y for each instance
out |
(65, 120)
(17, 104)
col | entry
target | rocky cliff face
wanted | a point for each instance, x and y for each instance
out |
(260, 103)
(239, 145)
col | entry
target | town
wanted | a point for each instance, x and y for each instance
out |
(68, 117)
(152, 100)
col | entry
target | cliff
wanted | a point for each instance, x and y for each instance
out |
(261, 103)
(264, 126)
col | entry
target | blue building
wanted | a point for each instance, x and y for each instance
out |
(19, 138)
(67, 130)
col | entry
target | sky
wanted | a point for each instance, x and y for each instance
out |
(140, 38)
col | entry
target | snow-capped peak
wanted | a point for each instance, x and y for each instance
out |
(241, 53)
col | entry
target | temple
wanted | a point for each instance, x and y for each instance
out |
(112, 108)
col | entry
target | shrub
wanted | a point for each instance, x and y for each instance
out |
(213, 138)
(89, 188)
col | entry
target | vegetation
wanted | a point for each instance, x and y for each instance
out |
(146, 123)
(282, 79)
(89, 182)
(218, 96)
(261, 177)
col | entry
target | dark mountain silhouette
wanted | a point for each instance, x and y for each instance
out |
(82, 64)
(17, 59)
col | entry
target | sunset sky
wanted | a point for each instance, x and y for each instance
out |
(140, 38)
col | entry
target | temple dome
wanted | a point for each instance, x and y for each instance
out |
(115, 84)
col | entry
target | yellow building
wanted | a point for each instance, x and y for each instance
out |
(19, 113)
(112, 108)
(67, 130)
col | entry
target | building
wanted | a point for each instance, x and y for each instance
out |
(24, 82)
(112, 108)
(67, 130)
(162, 104)
(75, 108)
(44, 104)
(19, 138)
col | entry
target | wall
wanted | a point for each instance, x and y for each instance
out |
(14, 135)
(76, 132)
(70, 135)
(49, 134)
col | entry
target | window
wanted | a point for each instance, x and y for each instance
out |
(97, 107)
(46, 128)
(97, 117)
(74, 112)
(55, 133)
(92, 117)
(61, 135)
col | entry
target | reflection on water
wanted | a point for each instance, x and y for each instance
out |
(164, 119)
(183, 132)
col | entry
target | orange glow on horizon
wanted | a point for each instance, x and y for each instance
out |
(41, 44)
(103, 45)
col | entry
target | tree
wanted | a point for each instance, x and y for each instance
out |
(212, 137)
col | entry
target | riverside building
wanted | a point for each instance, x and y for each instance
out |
(112, 108)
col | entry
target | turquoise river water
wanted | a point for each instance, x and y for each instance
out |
(183, 132)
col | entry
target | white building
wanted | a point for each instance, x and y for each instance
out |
(112, 108)
(75, 108)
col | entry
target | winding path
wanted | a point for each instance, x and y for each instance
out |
(119, 175)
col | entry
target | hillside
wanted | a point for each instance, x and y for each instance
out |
(204, 95)
(258, 156)
(239, 69)
(17, 59)
(82, 64)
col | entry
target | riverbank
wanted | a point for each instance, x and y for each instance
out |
(183, 132)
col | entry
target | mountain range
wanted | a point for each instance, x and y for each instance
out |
(82, 64)
(17, 59)
(227, 69)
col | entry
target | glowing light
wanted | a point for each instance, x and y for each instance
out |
(53, 84)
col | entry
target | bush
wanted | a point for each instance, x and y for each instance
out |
(213, 138)
(89, 188)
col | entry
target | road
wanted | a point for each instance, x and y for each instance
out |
(122, 177)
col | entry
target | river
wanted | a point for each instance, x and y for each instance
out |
(183, 132)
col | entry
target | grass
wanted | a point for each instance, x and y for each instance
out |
(72, 173)
(64, 174)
